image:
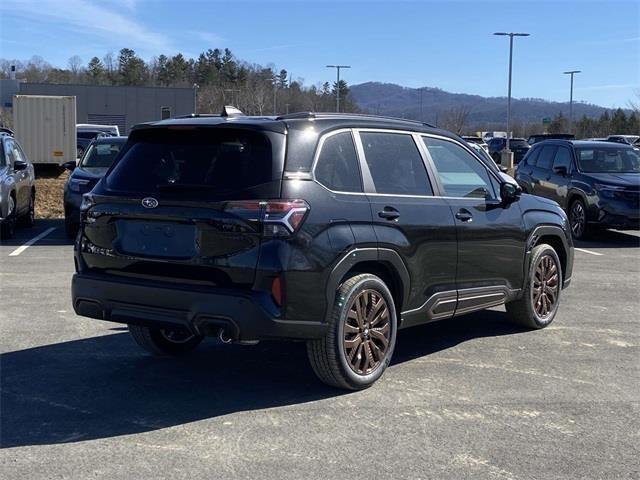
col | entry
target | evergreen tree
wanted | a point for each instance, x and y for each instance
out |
(95, 71)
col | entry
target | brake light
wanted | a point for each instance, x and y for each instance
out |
(279, 218)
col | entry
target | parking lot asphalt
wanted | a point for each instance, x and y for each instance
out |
(472, 397)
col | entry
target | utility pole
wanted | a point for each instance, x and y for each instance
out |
(510, 35)
(338, 67)
(195, 98)
(572, 72)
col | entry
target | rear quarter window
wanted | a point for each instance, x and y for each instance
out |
(337, 165)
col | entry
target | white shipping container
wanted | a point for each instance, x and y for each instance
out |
(45, 126)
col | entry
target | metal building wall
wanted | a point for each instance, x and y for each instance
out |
(129, 105)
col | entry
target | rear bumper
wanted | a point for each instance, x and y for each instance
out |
(245, 315)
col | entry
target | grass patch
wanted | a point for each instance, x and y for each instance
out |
(49, 193)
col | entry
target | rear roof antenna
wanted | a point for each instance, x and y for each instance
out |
(231, 111)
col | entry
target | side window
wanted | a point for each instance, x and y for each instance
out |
(337, 167)
(9, 151)
(461, 174)
(395, 164)
(532, 156)
(545, 160)
(4, 161)
(20, 153)
(562, 158)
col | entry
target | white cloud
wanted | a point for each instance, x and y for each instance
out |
(612, 86)
(210, 38)
(92, 20)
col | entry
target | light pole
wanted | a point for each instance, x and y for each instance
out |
(510, 35)
(338, 67)
(572, 72)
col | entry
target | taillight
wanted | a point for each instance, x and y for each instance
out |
(279, 218)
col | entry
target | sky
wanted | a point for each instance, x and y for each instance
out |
(444, 44)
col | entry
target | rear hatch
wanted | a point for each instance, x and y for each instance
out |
(180, 205)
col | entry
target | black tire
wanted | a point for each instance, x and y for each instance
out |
(328, 355)
(29, 218)
(8, 225)
(70, 227)
(528, 311)
(159, 342)
(578, 219)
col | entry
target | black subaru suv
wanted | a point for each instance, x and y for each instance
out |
(597, 183)
(334, 229)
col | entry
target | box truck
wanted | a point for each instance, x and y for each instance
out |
(45, 126)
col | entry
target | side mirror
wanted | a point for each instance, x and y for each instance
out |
(560, 170)
(510, 192)
(71, 166)
(20, 165)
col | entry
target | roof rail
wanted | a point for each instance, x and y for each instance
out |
(197, 115)
(313, 115)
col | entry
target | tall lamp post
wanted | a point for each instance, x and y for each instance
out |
(572, 72)
(510, 35)
(338, 67)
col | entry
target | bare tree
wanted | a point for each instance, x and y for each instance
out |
(455, 119)
(75, 65)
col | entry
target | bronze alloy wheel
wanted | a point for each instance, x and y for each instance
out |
(367, 331)
(546, 286)
(578, 219)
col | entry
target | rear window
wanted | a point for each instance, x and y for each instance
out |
(198, 163)
(518, 143)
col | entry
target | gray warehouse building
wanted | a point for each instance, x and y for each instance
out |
(110, 105)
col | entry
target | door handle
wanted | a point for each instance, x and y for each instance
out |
(464, 215)
(389, 213)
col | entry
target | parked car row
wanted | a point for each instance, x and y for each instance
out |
(596, 182)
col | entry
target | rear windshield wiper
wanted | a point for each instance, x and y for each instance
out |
(183, 186)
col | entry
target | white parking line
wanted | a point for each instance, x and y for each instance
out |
(22, 248)
(584, 250)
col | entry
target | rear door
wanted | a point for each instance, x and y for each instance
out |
(186, 204)
(491, 236)
(556, 184)
(542, 172)
(409, 219)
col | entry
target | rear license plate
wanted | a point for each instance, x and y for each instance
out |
(156, 239)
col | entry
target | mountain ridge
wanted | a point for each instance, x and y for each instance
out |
(398, 101)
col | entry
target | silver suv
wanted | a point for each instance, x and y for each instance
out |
(17, 186)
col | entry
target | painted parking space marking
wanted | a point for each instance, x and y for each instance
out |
(584, 250)
(23, 247)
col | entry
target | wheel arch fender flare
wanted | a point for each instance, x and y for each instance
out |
(357, 256)
(566, 255)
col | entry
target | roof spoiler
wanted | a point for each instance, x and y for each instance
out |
(231, 111)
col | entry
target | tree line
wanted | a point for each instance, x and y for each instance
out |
(217, 75)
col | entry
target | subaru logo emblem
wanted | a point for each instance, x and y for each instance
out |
(149, 202)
